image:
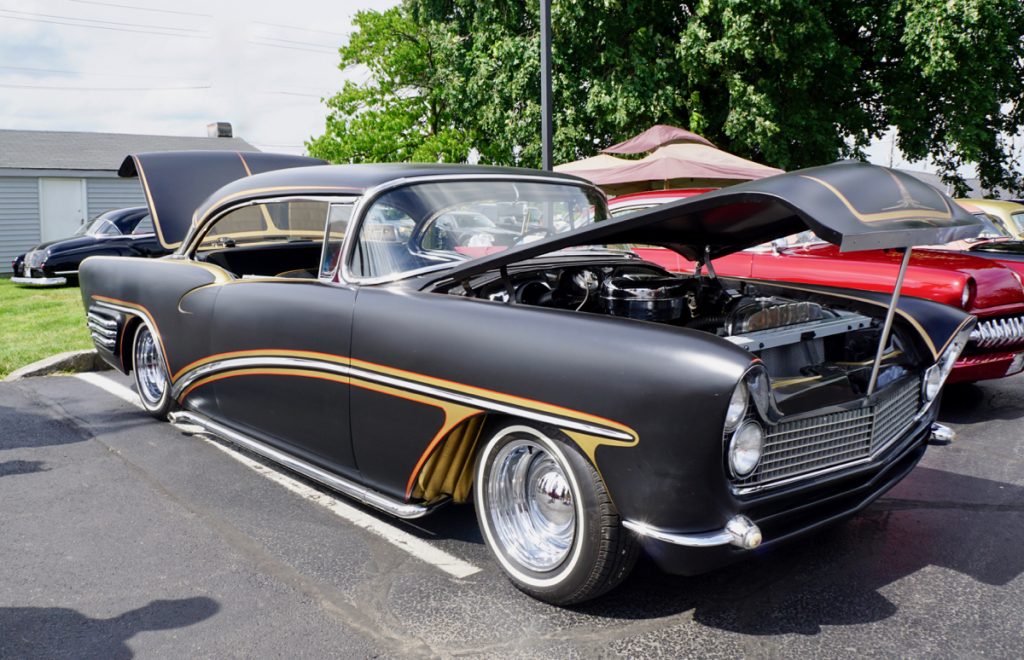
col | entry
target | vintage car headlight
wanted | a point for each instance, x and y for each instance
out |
(737, 406)
(745, 448)
(936, 374)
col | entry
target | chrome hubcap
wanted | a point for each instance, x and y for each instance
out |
(150, 373)
(532, 507)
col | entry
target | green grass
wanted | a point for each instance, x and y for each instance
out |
(36, 323)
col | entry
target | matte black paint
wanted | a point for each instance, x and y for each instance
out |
(669, 385)
(176, 182)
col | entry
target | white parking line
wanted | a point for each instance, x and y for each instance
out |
(415, 546)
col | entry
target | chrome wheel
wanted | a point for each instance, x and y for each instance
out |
(532, 507)
(150, 372)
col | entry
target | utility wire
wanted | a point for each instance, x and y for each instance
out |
(82, 73)
(308, 50)
(300, 43)
(162, 11)
(103, 89)
(99, 21)
(103, 27)
(301, 29)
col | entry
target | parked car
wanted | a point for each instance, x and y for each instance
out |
(990, 290)
(121, 232)
(1009, 214)
(587, 401)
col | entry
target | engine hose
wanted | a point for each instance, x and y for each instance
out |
(707, 322)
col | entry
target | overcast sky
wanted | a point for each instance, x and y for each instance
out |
(167, 68)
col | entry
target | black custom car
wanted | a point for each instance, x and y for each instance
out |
(589, 403)
(121, 232)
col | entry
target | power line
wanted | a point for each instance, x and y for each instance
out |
(103, 27)
(301, 29)
(308, 50)
(301, 43)
(103, 89)
(82, 73)
(99, 22)
(162, 11)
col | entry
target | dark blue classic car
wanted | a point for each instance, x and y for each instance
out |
(118, 233)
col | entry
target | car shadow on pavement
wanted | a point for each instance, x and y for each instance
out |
(27, 429)
(8, 468)
(933, 519)
(60, 632)
(970, 403)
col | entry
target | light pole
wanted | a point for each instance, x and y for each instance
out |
(545, 85)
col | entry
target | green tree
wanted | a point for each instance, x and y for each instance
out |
(399, 114)
(791, 83)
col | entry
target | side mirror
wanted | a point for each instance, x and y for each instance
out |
(778, 245)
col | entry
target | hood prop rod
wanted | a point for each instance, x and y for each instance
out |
(883, 341)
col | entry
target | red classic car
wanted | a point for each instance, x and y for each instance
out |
(981, 286)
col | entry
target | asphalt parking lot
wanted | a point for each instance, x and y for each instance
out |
(120, 536)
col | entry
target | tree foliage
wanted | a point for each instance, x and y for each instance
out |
(790, 83)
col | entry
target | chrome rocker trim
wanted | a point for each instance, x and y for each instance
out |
(39, 281)
(351, 489)
(740, 531)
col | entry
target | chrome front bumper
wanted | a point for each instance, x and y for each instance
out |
(40, 281)
(739, 531)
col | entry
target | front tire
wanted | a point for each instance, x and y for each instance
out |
(150, 371)
(545, 514)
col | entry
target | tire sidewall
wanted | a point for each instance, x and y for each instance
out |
(565, 580)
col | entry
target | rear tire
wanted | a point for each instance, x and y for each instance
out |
(545, 514)
(150, 371)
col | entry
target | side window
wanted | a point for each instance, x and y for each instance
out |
(272, 239)
(145, 226)
(337, 227)
(383, 246)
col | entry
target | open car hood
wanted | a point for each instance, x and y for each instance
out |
(851, 204)
(176, 182)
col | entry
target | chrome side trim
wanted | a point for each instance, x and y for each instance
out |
(229, 364)
(109, 324)
(739, 531)
(40, 281)
(65, 272)
(97, 329)
(344, 486)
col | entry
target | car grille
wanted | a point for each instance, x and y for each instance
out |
(35, 258)
(800, 447)
(994, 333)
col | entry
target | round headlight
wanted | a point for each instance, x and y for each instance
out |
(932, 382)
(745, 448)
(737, 406)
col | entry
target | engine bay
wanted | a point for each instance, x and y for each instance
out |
(805, 341)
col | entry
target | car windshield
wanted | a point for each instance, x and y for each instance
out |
(427, 225)
(1018, 219)
(991, 227)
(98, 226)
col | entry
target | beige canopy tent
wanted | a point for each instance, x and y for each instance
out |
(686, 161)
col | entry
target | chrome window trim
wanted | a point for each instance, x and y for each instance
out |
(190, 244)
(371, 195)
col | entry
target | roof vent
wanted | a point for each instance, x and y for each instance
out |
(219, 129)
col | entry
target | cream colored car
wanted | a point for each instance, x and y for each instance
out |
(1010, 214)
